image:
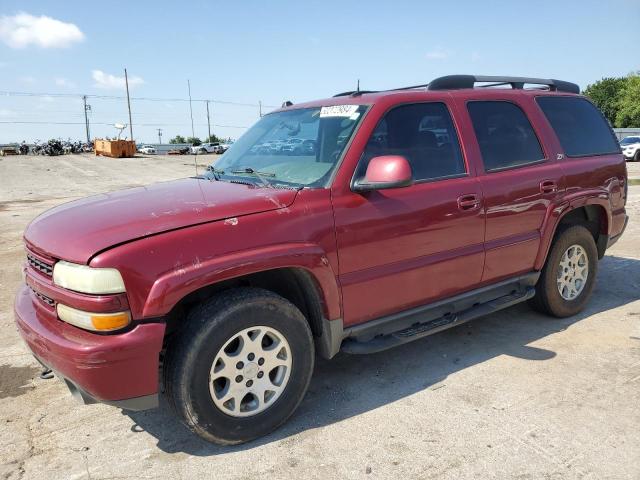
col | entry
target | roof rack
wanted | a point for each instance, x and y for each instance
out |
(455, 82)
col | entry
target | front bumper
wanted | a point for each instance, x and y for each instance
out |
(117, 369)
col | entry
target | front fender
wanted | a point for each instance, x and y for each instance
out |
(172, 286)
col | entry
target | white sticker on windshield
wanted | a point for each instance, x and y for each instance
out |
(338, 111)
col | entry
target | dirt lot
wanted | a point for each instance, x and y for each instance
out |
(513, 395)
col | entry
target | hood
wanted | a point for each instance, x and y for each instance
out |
(77, 230)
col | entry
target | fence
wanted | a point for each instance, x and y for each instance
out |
(626, 132)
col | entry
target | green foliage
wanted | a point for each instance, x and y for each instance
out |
(619, 99)
(605, 94)
(177, 139)
(628, 115)
(213, 139)
(195, 141)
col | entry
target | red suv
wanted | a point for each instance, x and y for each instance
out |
(407, 212)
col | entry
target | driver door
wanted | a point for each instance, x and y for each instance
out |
(404, 247)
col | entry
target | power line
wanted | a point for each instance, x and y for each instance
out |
(111, 124)
(118, 97)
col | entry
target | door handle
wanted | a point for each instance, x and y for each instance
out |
(548, 186)
(468, 202)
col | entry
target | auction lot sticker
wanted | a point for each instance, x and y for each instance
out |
(338, 111)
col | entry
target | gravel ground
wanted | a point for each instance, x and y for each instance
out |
(513, 395)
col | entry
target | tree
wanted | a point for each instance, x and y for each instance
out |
(628, 115)
(605, 94)
(195, 141)
(177, 139)
(213, 138)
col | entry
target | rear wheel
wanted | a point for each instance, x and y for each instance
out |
(636, 157)
(240, 367)
(568, 276)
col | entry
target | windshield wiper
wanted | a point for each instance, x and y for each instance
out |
(260, 175)
(215, 171)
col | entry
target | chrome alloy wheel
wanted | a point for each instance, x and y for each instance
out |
(573, 272)
(250, 371)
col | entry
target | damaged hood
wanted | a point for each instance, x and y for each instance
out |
(77, 230)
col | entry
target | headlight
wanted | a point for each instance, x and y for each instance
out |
(83, 279)
(97, 322)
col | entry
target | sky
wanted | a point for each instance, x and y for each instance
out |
(240, 53)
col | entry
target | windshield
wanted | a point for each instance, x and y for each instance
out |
(630, 140)
(295, 147)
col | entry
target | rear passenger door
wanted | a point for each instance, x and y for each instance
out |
(519, 180)
(403, 247)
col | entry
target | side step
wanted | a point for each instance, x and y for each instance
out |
(423, 329)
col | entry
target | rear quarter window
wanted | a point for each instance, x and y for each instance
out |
(579, 125)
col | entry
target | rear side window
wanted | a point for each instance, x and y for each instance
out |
(505, 135)
(579, 125)
(424, 134)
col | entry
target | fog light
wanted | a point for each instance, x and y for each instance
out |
(98, 322)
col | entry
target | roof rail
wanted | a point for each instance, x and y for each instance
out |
(454, 82)
(354, 93)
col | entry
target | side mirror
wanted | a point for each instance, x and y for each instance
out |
(386, 171)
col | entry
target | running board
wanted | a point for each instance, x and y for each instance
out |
(429, 327)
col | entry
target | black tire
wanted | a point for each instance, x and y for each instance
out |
(636, 157)
(548, 299)
(208, 327)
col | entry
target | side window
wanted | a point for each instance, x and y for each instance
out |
(505, 135)
(579, 125)
(424, 134)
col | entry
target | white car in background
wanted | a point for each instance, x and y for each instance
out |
(631, 148)
(148, 150)
(204, 148)
(224, 147)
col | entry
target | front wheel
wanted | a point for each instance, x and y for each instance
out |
(636, 157)
(568, 276)
(240, 366)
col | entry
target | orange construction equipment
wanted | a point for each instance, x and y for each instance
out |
(115, 148)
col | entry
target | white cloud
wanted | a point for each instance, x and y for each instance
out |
(106, 80)
(23, 30)
(437, 53)
(63, 82)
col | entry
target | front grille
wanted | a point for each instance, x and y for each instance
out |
(44, 298)
(39, 265)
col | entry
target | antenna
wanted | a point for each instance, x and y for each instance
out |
(358, 86)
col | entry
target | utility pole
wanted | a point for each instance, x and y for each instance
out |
(160, 136)
(87, 108)
(193, 132)
(260, 108)
(208, 122)
(126, 81)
